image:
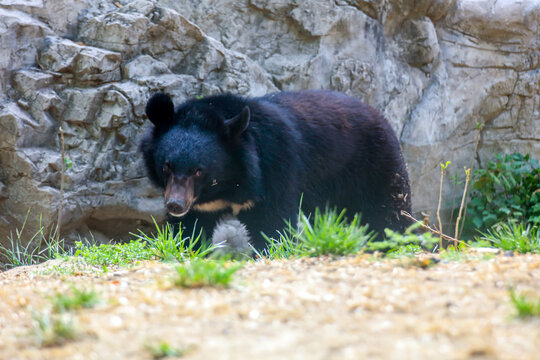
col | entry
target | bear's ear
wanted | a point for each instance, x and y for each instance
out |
(239, 123)
(160, 111)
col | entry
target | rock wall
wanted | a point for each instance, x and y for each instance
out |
(435, 69)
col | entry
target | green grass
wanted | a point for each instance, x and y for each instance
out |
(40, 248)
(285, 247)
(78, 299)
(163, 349)
(409, 243)
(328, 233)
(199, 273)
(515, 237)
(113, 254)
(451, 254)
(165, 245)
(53, 329)
(67, 266)
(525, 308)
(62, 270)
(319, 234)
(408, 250)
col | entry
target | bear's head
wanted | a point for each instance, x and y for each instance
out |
(196, 153)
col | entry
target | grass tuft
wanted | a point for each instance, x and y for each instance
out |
(113, 254)
(525, 308)
(407, 244)
(165, 245)
(285, 247)
(199, 273)
(52, 330)
(514, 237)
(40, 248)
(78, 299)
(451, 254)
(163, 349)
(329, 233)
(408, 250)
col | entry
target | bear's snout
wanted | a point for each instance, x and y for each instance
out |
(179, 195)
(176, 207)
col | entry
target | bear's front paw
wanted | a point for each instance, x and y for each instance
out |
(231, 237)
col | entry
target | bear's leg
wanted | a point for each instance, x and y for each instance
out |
(400, 200)
(386, 214)
(262, 220)
(192, 224)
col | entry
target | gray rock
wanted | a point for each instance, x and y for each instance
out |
(59, 15)
(85, 65)
(419, 43)
(144, 65)
(20, 37)
(82, 104)
(3, 192)
(28, 81)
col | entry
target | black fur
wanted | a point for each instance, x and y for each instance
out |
(322, 145)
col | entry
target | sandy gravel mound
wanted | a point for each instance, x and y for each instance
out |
(348, 308)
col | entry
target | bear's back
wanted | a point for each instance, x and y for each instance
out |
(334, 129)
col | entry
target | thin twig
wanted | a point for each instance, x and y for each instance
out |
(406, 214)
(478, 137)
(468, 176)
(38, 63)
(439, 205)
(61, 205)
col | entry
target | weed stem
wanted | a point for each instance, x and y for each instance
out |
(468, 176)
(406, 214)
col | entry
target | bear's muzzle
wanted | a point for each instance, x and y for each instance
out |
(179, 195)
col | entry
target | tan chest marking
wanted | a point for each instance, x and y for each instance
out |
(219, 205)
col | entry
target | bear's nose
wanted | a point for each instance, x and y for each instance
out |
(176, 207)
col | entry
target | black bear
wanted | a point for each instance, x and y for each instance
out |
(255, 158)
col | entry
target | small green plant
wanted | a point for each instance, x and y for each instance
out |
(453, 254)
(285, 247)
(113, 254)
(199, 272)
(78, 299)
(165, 245)
(405, 251)
(329, 233)
(514, 236)
(67, 266)
(525, 308)
(53, 329)
(40, 248)
(508, 190)
(58, 270)
(163, 349)
(68, 163)
(409, 243)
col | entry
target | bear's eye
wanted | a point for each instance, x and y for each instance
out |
(198, 173)
(167, 168)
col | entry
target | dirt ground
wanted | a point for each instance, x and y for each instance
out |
(348, 308)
